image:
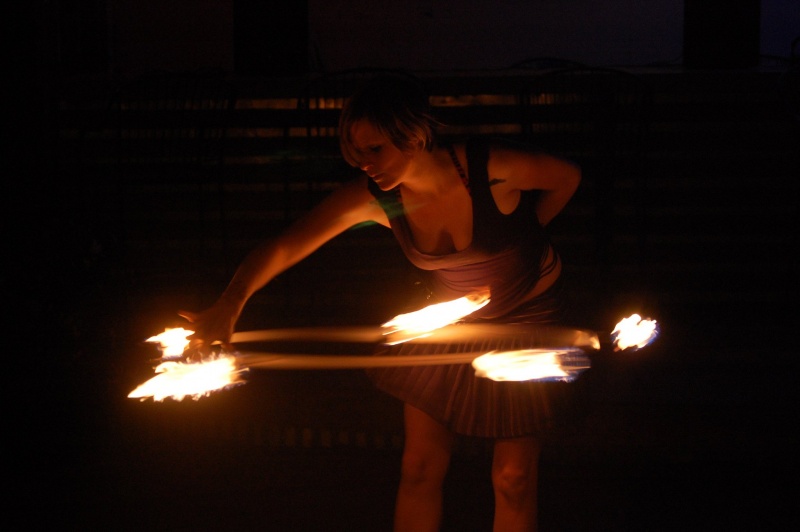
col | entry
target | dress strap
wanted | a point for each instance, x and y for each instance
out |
(459, 168)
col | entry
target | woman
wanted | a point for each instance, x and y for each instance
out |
(471, 217)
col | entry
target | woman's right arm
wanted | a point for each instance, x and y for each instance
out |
(345, 207)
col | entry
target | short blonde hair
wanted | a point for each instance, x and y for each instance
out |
(395, 105)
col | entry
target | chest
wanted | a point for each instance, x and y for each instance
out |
(442, 224)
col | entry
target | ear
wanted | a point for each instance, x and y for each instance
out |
(417, 147)
(413, 149)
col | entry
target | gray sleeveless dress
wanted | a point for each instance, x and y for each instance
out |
(507, 254)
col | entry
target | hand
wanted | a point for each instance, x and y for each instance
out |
(213, 326)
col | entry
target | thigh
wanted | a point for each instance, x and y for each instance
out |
(424, 436)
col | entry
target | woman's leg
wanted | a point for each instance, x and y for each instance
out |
(515, 469)
(426, 457)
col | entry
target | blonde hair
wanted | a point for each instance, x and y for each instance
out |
(395, 105)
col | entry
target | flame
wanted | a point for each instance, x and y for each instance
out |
(531, 364)
(405, 327)
(635, 332)
(177, 380)
(172, 342)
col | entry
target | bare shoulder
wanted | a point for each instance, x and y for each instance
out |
(505, 155)
(354, 188)
(518, 166)
(354, 200)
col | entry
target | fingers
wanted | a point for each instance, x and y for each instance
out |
(194, 343)
(191, 317)
(202, 351)
(208, 337)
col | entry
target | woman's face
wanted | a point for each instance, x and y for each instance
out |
(384, 162)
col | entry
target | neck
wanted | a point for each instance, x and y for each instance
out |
(431, 174)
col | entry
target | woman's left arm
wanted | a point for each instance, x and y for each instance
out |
(513, 170)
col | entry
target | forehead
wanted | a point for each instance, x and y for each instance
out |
(363, 134)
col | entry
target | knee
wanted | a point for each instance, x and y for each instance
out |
(514, 483)
(419, 469)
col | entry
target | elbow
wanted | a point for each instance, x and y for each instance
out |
(576, 175)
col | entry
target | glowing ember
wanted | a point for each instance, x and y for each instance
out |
(635, 332)
(532, 364)
(177, 380)
(172, 342)
(420, 323)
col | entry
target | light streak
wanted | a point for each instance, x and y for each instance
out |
(540, 362)
(178, 380)
(532, 365)
(420, 323)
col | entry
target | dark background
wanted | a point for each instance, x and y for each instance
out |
(696, 431)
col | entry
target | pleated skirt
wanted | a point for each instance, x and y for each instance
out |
(475, 406)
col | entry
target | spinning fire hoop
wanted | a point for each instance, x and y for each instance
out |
(552, 353)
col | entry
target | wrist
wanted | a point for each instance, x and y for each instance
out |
(231, 302)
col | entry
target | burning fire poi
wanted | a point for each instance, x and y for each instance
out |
(417, 324)
(635, 332)
(172, 342)
(178, 380)
(532, 364)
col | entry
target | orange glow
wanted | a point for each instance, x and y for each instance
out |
(172, 342)
(177, 380)
(635, 332)
(531, 364)
(420, 323)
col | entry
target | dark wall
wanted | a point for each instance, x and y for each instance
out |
(127, 37)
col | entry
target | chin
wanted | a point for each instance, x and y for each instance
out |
(385, 184)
